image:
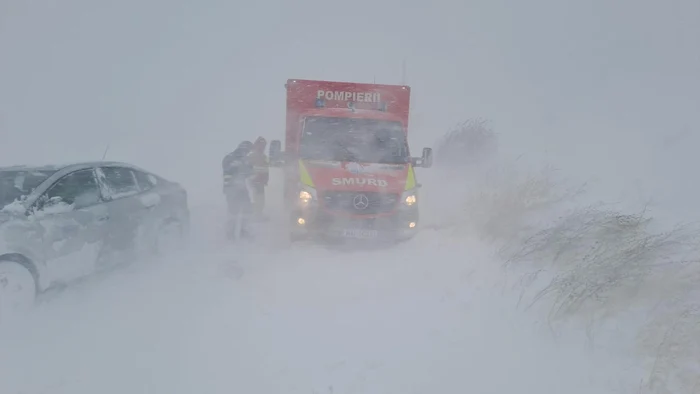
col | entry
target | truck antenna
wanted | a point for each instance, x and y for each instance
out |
(403, 72)
(104, 155)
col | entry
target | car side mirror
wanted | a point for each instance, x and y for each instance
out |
(276, 156)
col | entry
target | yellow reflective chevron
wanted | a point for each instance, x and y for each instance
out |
(410, 179)
(304, 176)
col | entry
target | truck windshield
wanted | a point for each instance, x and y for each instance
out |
(17, 183)
(348, 139)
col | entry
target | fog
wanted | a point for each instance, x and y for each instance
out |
(606, 91)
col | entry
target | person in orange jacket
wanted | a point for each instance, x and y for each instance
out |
(261, 175)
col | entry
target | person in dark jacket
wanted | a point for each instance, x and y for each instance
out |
(259, 181)
(237, 169)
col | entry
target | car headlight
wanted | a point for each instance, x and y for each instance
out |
(409, 198)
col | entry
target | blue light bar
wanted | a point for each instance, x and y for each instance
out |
(320, 103)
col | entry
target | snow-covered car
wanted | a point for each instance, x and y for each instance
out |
(61, 223)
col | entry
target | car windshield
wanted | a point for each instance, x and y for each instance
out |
(348, 139)
(17, 183)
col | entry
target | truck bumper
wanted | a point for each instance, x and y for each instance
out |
(318, 224)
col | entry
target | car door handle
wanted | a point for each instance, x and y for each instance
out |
(102, 218)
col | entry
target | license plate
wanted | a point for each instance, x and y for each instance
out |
(359, 233)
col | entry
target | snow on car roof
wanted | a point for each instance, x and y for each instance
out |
(57, 167)
(25, 167)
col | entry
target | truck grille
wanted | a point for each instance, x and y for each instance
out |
(360, 203)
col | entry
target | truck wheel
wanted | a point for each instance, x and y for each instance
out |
(17, 289)
(296, 237)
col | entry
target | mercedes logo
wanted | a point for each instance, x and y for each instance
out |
(360, 202)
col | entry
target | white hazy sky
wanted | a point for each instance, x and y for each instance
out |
(603, 88)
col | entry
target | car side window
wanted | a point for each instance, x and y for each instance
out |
(146, 181)
(78, 189)
(120, 182)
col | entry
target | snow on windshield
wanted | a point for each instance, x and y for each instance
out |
(360, 140)
(15, 184)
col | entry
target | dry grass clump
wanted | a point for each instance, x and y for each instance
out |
(590, 262)
(468, 143)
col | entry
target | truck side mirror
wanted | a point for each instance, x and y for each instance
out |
(427, 158)
(276, 158)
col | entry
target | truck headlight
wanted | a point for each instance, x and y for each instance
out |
(306, 195)
(409, 198)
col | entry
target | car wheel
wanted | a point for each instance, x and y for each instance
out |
(170, 237)
(17, 289)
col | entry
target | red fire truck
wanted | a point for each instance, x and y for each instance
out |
(347, 166)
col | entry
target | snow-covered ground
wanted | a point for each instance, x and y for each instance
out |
(426, 316)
